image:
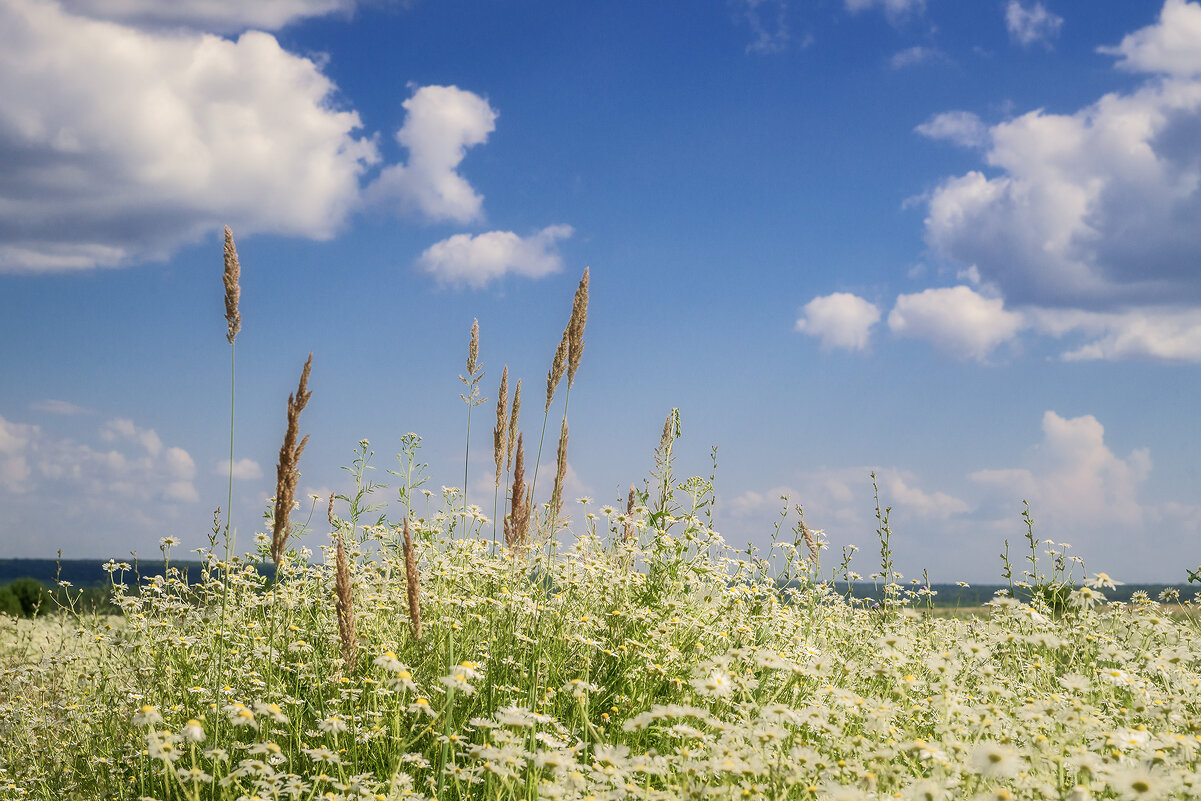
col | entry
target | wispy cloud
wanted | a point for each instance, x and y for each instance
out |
(894, 9)
(1172, 46)
(244, 469)
(913, 56)
(466, 260)
(58, 407)
(768, 22)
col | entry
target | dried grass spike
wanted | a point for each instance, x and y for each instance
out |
(287, 473)
(557, 368)
(344, 605)
(473, 350)
(556, 502)
(519, 517)
(502, 424)
(629, 530)
(511, 439)
(575, 328)
(233, 291)
(411, 587)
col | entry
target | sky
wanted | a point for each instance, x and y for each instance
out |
(956, 244)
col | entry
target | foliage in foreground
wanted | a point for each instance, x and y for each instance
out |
(646, 661)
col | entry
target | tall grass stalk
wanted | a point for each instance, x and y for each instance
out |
(472, 398)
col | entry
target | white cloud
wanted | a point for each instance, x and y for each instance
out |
(1173, 46)
(121, 428)
(957, 320)
(1029, 25)
(912, 56)
(895, 9)
(770, 29)
(120, 144)
(442, 122)
(134, 470)
(1154, 333)
(244, 469)
(1093, 210)
(841, 320)
(476, 260)
(1079, 490)
(1076, 481)
(209, 15)
(58, 407)
(962, 128)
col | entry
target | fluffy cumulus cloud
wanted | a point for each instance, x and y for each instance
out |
(1170, 47)
(1075, 479)
(841, 320)
(962, 128)
(1030, 25)
(466, 260)
(1079, 490)
(130, 466)
(957, 320)
(1089, 223)
(441, 123)
(121, 144)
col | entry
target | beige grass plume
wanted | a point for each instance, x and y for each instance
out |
(411, 586)
(628, 534)
(517, 523)
(511, 438)
(556, 495)
(344, 605)
(233, 292)
(287, 472)
(502, 424)
(557, 367)
(810, 541)
(575, 328)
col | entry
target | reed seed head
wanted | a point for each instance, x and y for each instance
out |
(287, 472)
(473, 350)
(628, 534)
(511, 439)
(518, 520)
(556, 497)
(575, 328)
(411, 586)
(233, 292)
(330, 511)
(810, 541)
(502, 424)
(344, 605)
(557, 367)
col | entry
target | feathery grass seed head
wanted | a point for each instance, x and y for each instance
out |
(575, 328)
(502, 424)
(233, 292)
(287, 472)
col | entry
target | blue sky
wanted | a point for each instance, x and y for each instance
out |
(953, 243)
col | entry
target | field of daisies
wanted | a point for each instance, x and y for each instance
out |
(583, 653)
(644, 661)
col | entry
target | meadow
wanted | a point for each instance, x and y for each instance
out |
(581, 651)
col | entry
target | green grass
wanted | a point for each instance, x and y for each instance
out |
(619, 653)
